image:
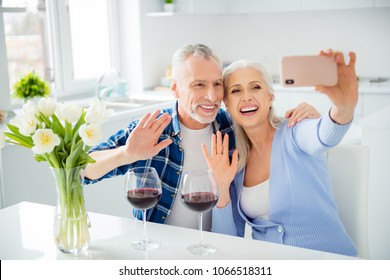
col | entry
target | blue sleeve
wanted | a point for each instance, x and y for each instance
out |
(315, 136)
(228, 220)
(222, 220)
(115, 141)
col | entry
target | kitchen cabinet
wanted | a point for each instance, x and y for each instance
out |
(372, 102)
(371, 99)
(312, 5)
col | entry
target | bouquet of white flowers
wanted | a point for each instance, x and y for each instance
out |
(62, 134)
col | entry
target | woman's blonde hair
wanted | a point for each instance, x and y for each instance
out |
(243, 144)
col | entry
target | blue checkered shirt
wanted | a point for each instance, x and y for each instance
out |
(168, 162)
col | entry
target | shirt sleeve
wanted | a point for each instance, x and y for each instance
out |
(228, 220)
(115, 141)
(222, 220)
(315, 136)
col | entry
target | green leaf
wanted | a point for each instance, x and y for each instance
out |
(44, 119)
(13, 128)
(80, 122)
(39, 158)
(20, 139)
(54, 161)
(68, 132)
(72, 158)
(57, 126)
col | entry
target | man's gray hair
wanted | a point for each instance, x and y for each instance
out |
(180, 56)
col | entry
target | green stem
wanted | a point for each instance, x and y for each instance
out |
(72, 229)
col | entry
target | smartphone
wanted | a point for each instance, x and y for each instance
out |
(306, 71)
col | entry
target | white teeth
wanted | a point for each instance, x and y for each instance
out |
(247, 109)
(209, 107)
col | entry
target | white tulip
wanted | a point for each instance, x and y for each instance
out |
(47, 106)
(2, 139)
(30, 108)
(44, 141)
(97, 113)
(16, 122)
(69, 112)
(28, 124)
(90, 134)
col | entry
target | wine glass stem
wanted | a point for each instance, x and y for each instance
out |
(144, 222)
(200, 218)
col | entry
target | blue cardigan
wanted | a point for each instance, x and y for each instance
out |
(303, 212)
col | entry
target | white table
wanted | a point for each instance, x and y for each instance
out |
(26, 233)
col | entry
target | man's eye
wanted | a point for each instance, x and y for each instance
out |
(218, 84)
(199, 85)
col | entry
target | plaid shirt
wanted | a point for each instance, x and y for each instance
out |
(168, 162)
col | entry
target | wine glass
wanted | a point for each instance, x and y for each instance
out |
(143, 191)
(199, 192)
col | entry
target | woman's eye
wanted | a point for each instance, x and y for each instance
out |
(235, 91)
(256, 87)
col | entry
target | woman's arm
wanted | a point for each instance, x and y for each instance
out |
(315, 136)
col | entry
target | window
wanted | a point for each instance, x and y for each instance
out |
(69, 43)
(89, 38)
(82, 43)
(25, 40)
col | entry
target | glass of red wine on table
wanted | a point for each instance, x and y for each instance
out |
(199, 192)
(143, 191)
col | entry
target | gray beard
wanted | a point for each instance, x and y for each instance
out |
(196, 116)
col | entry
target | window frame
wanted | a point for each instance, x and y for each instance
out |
(64, 86)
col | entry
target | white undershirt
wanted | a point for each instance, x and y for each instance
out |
(191, 142)
(254, 201)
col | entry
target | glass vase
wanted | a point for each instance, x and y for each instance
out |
(71, 226)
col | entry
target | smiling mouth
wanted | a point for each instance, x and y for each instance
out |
(208, 108)
(249, 109)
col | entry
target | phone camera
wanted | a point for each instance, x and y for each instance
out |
(289, 82)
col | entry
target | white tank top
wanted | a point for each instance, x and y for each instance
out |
(254, 201)
(191, 142)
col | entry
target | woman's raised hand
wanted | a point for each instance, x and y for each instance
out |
(343, 95)
(219, 163)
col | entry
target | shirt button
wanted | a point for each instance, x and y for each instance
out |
(280, 229)
(173, 133)
(179, 134)
(172, 195)
(180, 148)
(178, 172)
(163, 217)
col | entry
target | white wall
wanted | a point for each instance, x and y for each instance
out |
(268, 36)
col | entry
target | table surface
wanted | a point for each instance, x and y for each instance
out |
(26, 233)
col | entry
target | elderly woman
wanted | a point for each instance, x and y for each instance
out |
(282, 188)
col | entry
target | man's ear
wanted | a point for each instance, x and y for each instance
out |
(174, 89)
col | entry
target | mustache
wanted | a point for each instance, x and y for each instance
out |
(195, 105)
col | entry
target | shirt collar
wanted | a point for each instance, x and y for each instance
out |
(175, 120)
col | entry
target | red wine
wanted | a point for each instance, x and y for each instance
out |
(144, 198)
(199, 201)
